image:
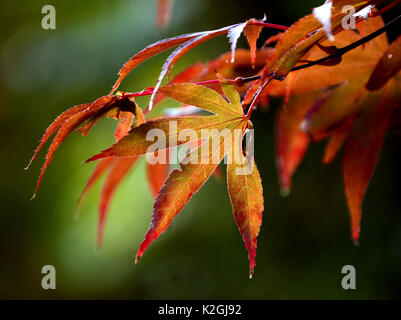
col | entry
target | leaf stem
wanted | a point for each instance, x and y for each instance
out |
(256, 97)
(268, 25)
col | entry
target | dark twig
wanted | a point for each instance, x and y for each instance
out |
(341, 51)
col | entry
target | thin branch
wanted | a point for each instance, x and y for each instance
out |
(340, 52)
(385, 9)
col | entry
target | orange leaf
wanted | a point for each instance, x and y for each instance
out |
(157, 174)
(336, 140)
(291, 141)
(388, 66)
(177, 190)
(246, 195)
(252, 34)
(149, 52)
(56, 124)
(185, 42)
(124, 125)
(362, 150)
(182, 183)
(69, 125)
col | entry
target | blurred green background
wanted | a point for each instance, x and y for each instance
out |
(304, 241)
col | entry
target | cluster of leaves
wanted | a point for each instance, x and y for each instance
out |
(348, 97)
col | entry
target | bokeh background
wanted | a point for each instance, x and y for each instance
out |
(304, 241)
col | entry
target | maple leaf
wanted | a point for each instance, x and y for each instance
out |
(345, 111)
(182, 183)
(363, 146)
(118, 107)
(332, 87)
(246, 196)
